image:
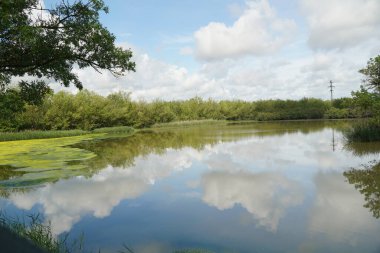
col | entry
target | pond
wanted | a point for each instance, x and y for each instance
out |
(248, 187)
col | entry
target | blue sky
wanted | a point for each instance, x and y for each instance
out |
(240, 49)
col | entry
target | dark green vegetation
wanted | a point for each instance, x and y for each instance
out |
(367, 130)
(367, 100)
(48, 42)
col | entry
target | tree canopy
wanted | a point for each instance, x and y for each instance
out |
(50, 42)
(372, 73)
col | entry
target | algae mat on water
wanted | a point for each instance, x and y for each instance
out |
(42, 160)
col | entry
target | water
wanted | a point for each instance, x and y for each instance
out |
(262, 187)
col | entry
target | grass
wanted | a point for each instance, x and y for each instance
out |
(365, 131)
(47, 134)
(39, 234)
(28, 135)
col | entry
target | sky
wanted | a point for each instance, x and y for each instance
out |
(236, 49)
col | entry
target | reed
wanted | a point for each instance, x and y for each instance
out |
(365, 131)
(47, 134)
(39, 234)
(28, 135)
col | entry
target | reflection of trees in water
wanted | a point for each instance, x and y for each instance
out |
(122, 151)
(367, 181)
(363, 148)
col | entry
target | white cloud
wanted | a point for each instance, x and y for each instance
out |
(258, 31)
(265, 195)
(66, 202)
(292, 73)
(248, 79)
(341, 24)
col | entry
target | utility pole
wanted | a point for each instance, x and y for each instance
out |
(331, 86)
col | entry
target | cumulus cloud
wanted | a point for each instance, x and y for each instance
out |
(258, 31)
(341, 24)
(244, 78)
(265, 195)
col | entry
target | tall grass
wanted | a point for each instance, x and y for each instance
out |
(40, 234)
(28, 135)
(364, 131)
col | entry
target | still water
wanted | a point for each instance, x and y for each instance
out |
(255, 187)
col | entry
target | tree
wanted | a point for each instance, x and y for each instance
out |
(50, 42)
(11, 104)
(367, 102)
(372, 74)
(34, 92)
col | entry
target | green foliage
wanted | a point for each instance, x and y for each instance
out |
(306, 108)
(367, 102)
(364, 131)
(34, 92)
(87, 110)
(31, 118)
(42, 134)
(343, 103)
(336, 113)
(60, 111)
(372, 74)
(49, 42)
(11, 104)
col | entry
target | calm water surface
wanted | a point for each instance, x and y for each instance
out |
(262, 187)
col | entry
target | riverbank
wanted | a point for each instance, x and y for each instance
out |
(48, 134)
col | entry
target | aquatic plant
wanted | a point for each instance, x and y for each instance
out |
(44, 160)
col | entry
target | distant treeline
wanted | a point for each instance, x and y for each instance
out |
(88, 110)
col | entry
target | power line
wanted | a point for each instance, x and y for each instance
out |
(331, 86)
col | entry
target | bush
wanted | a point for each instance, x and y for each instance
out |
(335, 113)
(365, 131)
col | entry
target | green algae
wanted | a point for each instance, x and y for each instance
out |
(39, 161)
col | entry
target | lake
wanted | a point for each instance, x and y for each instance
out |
(248, 187)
